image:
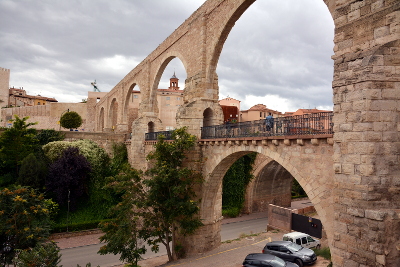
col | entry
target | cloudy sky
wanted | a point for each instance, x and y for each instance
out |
(278, 53)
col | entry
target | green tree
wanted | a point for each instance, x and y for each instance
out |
(157, 208)
(24, 220)
(16, 143)
(171, 190)
(67, 178)
(125, 233)
(71, 120)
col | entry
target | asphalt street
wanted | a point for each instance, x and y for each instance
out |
(85, 254)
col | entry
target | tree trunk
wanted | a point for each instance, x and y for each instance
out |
(170, 258)
(174, 257)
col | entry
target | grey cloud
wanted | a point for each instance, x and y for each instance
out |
(276, 47)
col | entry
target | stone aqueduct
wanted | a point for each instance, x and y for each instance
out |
(353, 178)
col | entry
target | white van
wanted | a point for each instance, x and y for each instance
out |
(302, 239)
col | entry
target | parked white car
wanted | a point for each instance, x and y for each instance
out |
(302, 239)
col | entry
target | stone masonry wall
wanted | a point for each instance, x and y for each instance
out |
(366, 90)
(47, 116)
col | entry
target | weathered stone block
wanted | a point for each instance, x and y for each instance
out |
(377, 215)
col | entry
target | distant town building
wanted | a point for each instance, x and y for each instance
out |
(304, 111)
(258, 112)
(19, 98)
(231, 109)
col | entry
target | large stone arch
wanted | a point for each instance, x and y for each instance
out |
(271, 185)
(163, 62)
(313, 172)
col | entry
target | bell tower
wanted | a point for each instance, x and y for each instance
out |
(173, 82)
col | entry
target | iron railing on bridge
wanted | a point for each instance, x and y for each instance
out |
(154, 135)
(309, 124)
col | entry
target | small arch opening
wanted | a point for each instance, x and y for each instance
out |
(207, 117)
(150, 127)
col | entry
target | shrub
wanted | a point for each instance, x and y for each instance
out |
(43, 254)
(231, 212)
(96, 155)
(323, 252)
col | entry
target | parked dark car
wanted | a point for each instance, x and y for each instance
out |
(292, 252)
(265, 260)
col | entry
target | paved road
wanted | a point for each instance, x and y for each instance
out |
(82, 255)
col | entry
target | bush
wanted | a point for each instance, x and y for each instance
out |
(231, 212)
(323, 252)
(74, 227)
(43, 254)
(96, 155)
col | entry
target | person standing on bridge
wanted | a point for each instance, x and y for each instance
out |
(269, 122)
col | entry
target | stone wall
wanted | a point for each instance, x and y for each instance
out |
(366, 91)
(47, 116)
(279, 218)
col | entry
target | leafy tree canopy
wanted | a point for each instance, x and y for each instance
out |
(125, 234)
(71, 120)
(16, 143)
(24, 220)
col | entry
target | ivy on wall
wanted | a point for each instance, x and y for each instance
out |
(235, 183)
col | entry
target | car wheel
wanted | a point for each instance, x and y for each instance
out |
(299, 262)
(318, 246)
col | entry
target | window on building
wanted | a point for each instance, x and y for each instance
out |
(178, 98)
(167, 105)
(167, 97)
(38, 103)
(261, 114)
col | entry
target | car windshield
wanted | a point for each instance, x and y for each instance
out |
(294, 247)
(278, 262)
